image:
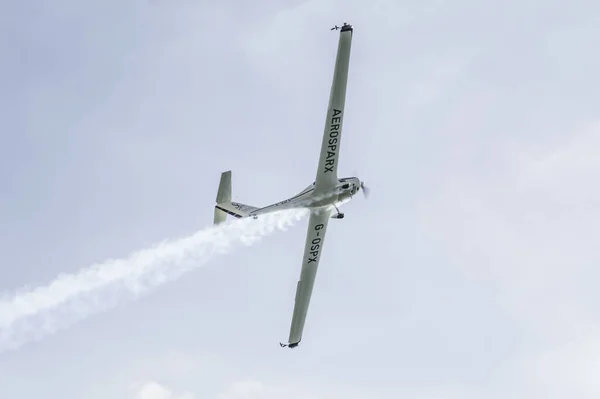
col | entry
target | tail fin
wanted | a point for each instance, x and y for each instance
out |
(224, 193)
(223, 196)
(224, 205)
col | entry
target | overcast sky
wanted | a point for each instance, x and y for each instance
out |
(470, 272)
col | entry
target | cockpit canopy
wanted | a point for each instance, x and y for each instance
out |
(346, 181)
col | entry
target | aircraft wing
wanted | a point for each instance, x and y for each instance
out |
(315, 237)
(330, 148)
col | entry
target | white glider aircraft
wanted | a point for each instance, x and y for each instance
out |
(323, 196)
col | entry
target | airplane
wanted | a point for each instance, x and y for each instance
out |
(326, 193)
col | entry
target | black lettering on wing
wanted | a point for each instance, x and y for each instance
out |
(314, 249)
(336, 122)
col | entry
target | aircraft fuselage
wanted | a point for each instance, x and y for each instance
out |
(308, 198)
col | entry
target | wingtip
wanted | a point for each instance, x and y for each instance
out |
(291, 345)
(346, 27)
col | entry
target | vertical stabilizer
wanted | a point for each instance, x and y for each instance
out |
(223, 196)
(225, 206)
(224, 193)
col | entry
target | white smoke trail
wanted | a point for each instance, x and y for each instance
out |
(32, 314)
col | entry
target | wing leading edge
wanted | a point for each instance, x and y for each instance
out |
(315, 238)
(325, 180)
(332, 135)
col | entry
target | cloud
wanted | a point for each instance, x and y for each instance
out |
(153, 390)
(530, 232)
(255, 389)
(243, 389)
(251, 388)
(570, 370)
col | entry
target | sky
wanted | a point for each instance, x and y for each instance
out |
(469, 272)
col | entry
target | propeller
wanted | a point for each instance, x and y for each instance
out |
(364, 189)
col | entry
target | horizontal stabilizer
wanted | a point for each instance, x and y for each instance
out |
(235, 209)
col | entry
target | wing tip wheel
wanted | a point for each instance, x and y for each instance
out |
(344, 28)
(291, 346)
